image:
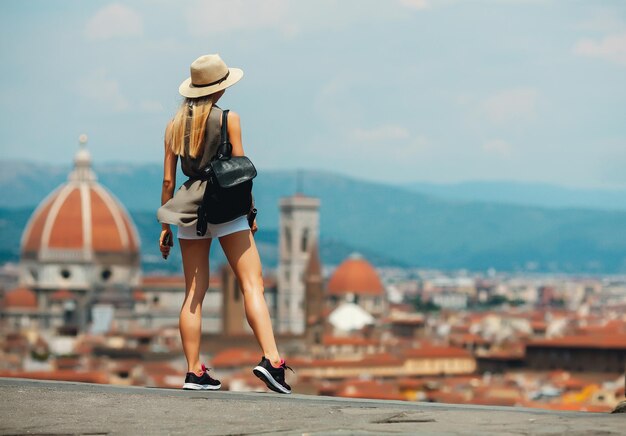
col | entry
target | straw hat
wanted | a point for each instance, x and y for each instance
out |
(209, 74)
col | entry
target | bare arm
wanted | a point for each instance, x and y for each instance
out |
(234, 133)
(169, 168)
(167, 189)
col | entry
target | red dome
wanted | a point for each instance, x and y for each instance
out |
(80, 215)
(357, 276)
(22, 298)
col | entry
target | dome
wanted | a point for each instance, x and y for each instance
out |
(79, 235)
(22, 298)
(83, 218)
(356, 276)
(80, 216)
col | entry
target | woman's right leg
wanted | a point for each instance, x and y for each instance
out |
(195, 253)
(243, 257)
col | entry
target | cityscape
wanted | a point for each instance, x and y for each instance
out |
(78, 307)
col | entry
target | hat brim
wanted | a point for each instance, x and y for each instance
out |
(186, 89)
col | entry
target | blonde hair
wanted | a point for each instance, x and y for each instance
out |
(193, 111)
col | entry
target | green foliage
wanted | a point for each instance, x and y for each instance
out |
(422, 306)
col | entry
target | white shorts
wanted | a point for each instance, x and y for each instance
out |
(215, 230)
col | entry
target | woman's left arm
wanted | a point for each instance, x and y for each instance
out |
(234, 133)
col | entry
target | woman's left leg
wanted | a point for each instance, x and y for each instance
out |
(243, 257)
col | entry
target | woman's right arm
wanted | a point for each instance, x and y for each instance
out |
(167, 190)
(169, 168)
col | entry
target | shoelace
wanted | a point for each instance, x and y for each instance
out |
(205, 369)
(284, 366)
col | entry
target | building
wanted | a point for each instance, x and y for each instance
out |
(356, 281)
(81, 240)
(298, 231)
(579, 353)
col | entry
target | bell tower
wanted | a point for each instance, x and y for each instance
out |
(298, 232)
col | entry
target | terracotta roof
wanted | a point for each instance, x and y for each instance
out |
(62, 295)
(22, 298)
(355, 275)
(329, 340)
(468, 338)
(59, 222)
(152, 280)
(67, 224)
(436, 352)
(139, 296)
(63, 375)
(615, 341)
(412, 383)
(234, 357)
(368, 361)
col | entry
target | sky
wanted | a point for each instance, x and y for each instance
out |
(393, 91)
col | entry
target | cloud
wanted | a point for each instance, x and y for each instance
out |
(387, 132)
(497, 147)
(207, 17)
(112, 21)
(611, 48)
(388, 140)
(511, 105)
(603, 21)
(416, 4)
(101, 89)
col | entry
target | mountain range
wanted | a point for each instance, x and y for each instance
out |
(420, 225)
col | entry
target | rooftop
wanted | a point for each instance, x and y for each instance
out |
(81, 408)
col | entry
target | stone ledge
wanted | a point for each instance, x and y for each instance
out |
(31, 407)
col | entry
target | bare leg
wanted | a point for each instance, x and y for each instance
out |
(243, 258)
(196, 267)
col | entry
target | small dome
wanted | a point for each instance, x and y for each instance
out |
(22, 298)
(356, 276)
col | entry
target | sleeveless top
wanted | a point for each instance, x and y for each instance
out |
(181, 209)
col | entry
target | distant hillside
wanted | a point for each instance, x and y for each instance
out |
(391, 224)
(13, 221)
(526, 194)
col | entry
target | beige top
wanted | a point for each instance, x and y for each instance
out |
(181, 209)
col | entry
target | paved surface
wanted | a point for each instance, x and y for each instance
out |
(61, 408)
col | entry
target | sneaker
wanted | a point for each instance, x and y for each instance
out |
(205, 381)
(273, 377)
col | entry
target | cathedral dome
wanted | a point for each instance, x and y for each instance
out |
(355, 276)
(80, 222)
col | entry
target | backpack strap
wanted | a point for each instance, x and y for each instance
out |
(225, 148)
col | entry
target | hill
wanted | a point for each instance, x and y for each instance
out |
(390, 225)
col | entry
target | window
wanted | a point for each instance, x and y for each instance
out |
(106, 274)
(287, 240)
(305, 240)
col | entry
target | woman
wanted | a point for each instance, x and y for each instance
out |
(193, 136)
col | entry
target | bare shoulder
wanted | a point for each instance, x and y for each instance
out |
(233, 117)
